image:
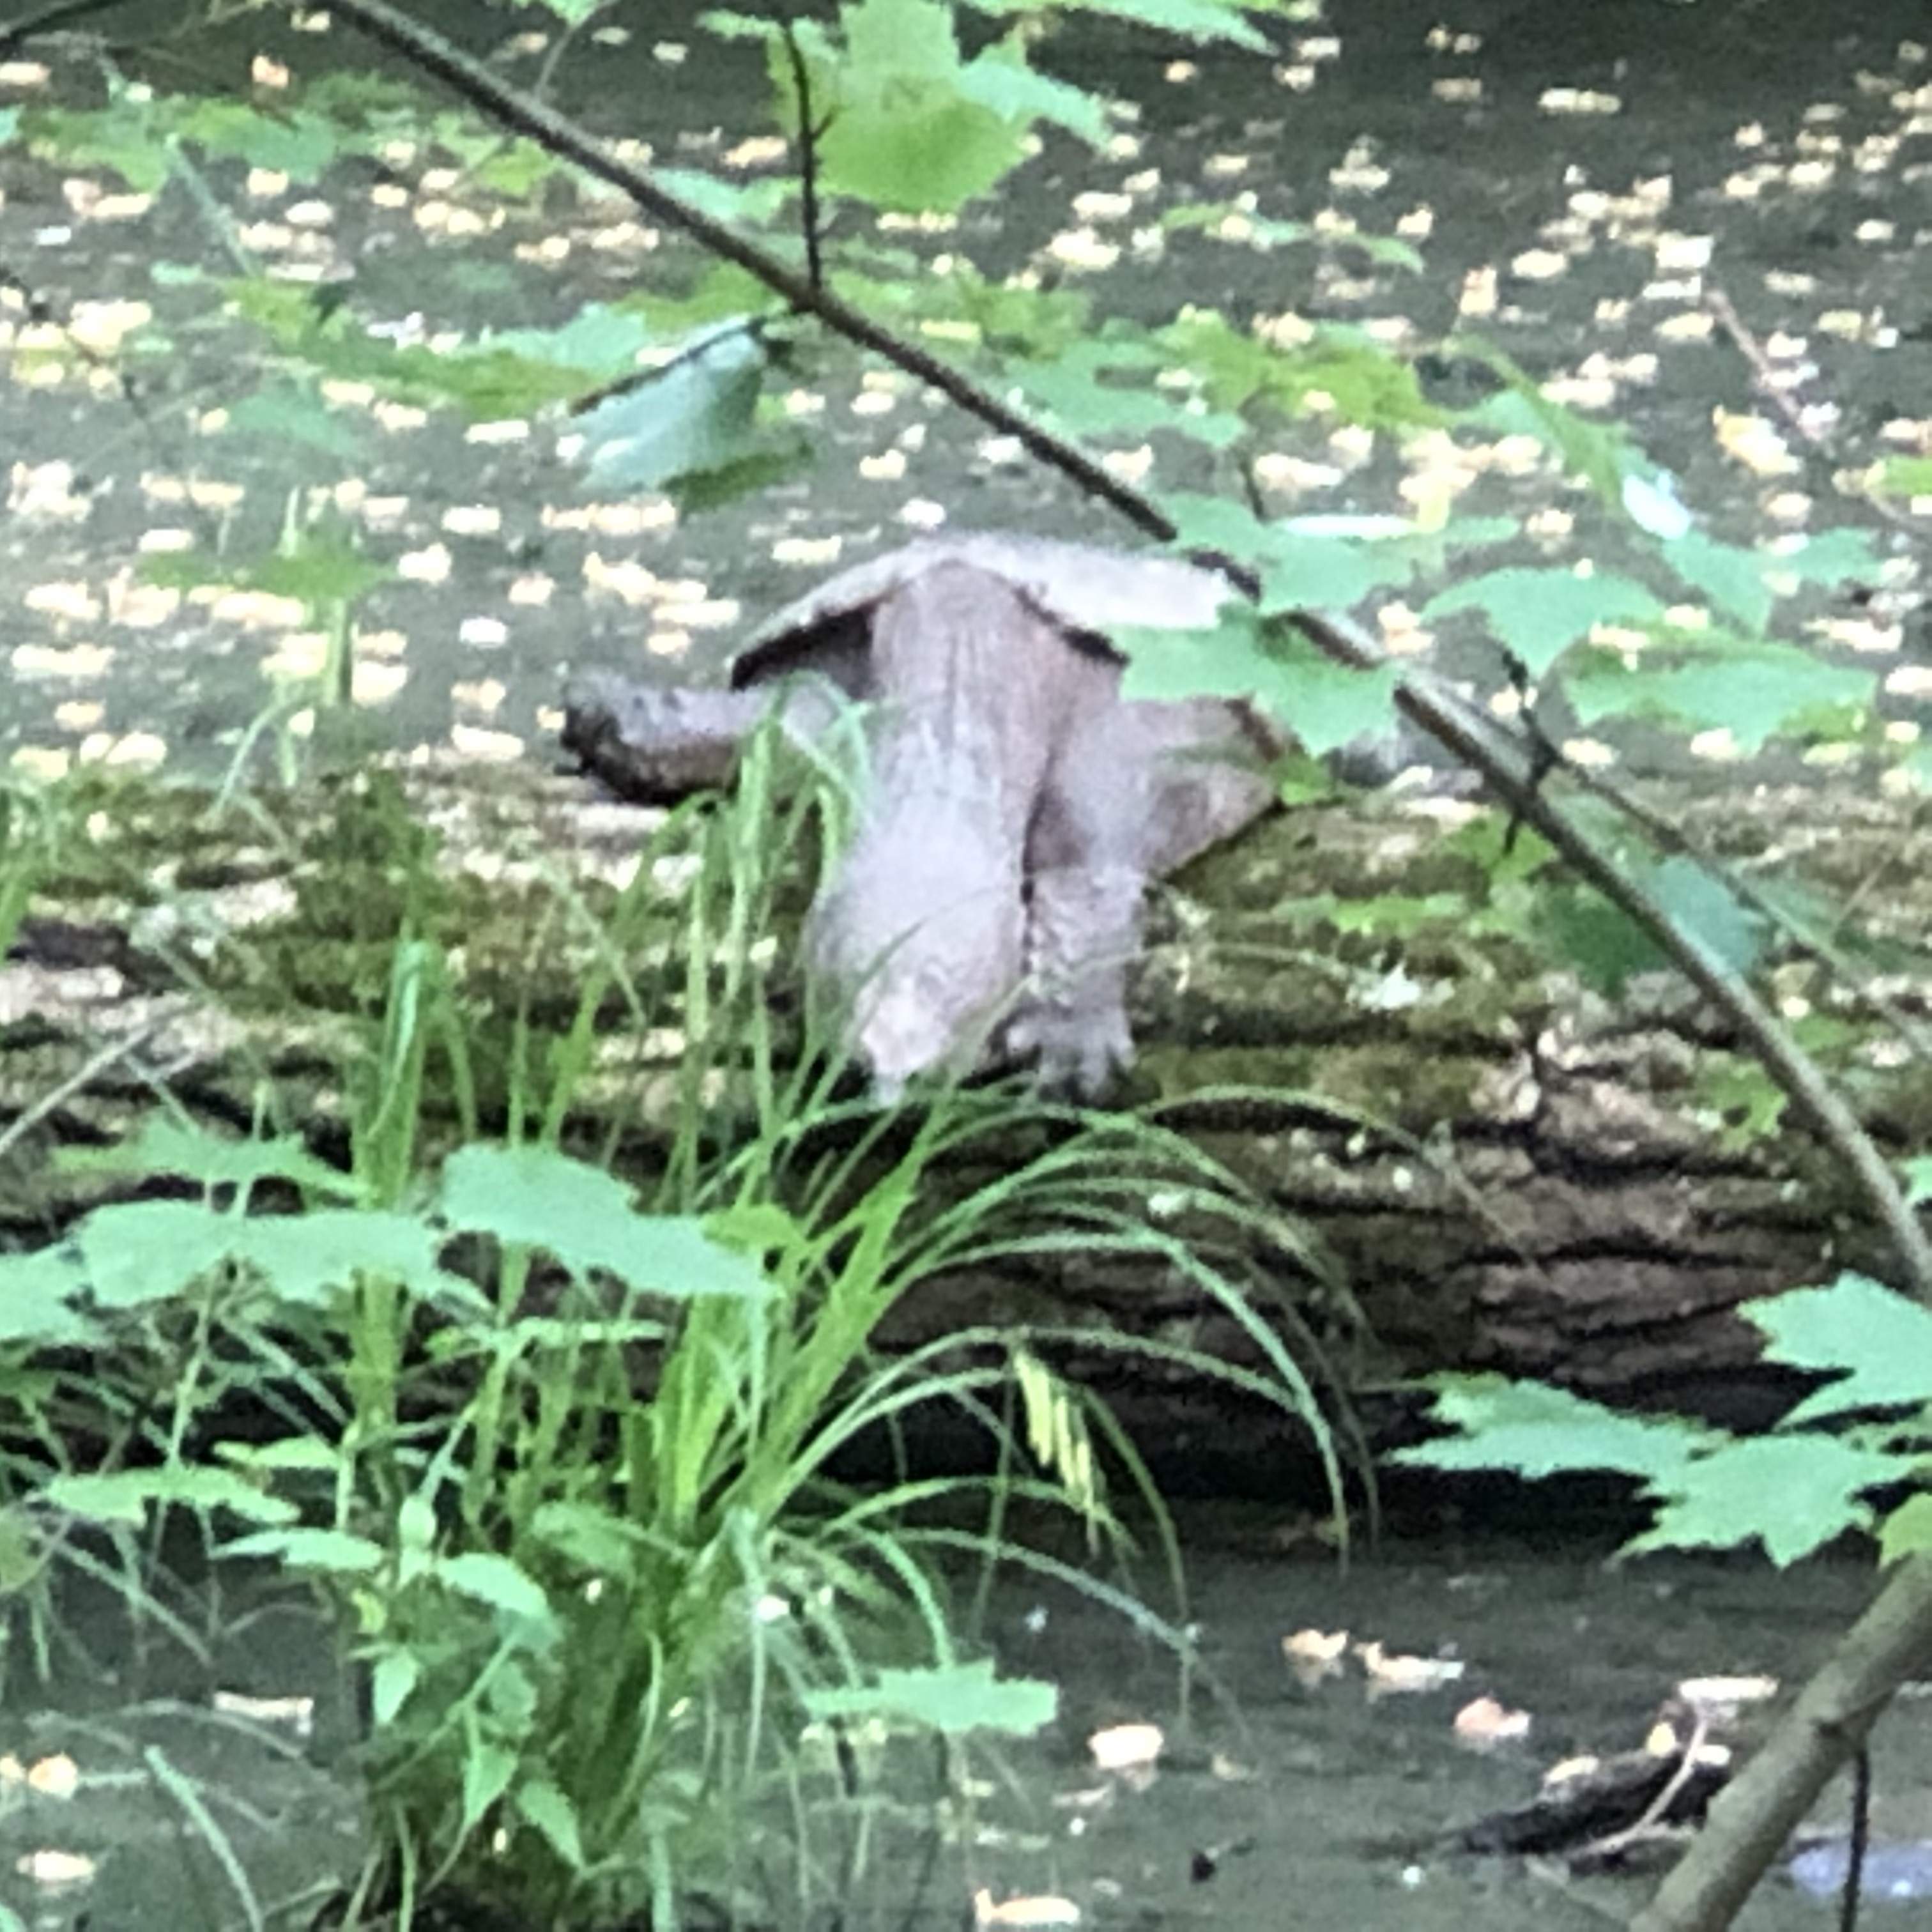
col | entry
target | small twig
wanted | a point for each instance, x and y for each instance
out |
(808, 159)
(50, 1103)
(1860, 1840)
(1658, 1809)
(1778, 394)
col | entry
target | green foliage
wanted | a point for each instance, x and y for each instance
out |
(691, 423)
(1793, 1489)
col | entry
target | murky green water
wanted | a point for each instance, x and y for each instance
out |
(1278, 1804)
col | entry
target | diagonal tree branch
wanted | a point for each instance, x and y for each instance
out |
(1504, 759)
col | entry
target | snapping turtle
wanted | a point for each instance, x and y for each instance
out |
(1012, 804)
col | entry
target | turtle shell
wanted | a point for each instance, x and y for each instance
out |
(1089, 591)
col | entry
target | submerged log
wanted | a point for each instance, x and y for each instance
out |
(1511, 1172)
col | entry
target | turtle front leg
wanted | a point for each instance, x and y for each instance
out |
(656, 744)
(1088, 877)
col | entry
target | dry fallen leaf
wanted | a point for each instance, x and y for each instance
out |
(1127, 1747)
(1390, 1676)
(1043, 1909)
(1484, 1723)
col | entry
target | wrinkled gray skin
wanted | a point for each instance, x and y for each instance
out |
(1013, 806)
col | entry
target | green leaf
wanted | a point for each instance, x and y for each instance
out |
(1699, 904)
(1538, 614)
(1793, 1493)
(37, 1296)
(334, 1552)
(1906, 476)
(1751, 687)
(487, 1769)
(1907, 1531)
(530, 1197)
(1072, 391)
(542, 1804)
(310, 1454)
(126, 1496)
(954, 1699)
(902, 129)
(138, 1252)
(1194, 20)
(122, 137)
(1600, 454)
(695, 414)
(1878, 1343)
(396, 1673)
(286, 413)
(756, 203)
(292, 141)
(1600, 939)
(1538, 1431)
(1000, 79)
(593, 1539)
(497, 1582)
(164, 1146)
(308, 1259)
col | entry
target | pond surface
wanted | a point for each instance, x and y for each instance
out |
(1579, 180)
(1277, 1803)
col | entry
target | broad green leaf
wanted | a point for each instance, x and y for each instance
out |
(601, 339)
(955, 1699)
(1877, 1342)
(308, 1259)
(292, 141)
(1793, 1493)
(487, 1769)
(1751, 688)
(756, 203)
(309, 1453)
(1325, 704)
(1600, 454)
(1700, 903)
(527, 1197)
(126, 1496)
(1907, 1530)
(1194, 20)
(696, 413)
(122, 137)
(164, 1146)
(37, 1295)
(542, 1804)
(1538, 614)
(1906, 476)
(1538, 1431)
(1001, 80)
(1600, 940)
(1917, 1172)
(497, 1582)
(1732, 577)
(137, 1251)
(594, 1539)
(284, 413)
(396, 1673)
(333, 1551)
(1072, 390)
(901, 132)
(320, 575)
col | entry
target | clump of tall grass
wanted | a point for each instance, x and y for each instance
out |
(574, 1512)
